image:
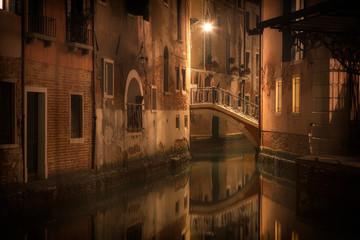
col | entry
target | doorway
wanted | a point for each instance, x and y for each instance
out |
(35, 135)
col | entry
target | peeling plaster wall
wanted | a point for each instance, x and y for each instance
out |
(120, 37)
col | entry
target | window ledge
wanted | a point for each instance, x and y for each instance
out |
(101, 3)
(278, 114)
(296, 62)
(8, 146)
(167, 93)
(295, 114)
(77, 140)
(33, 37)
(74, 46)
(180, 41)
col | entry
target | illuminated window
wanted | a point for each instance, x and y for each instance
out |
(177, 83)
(7, 109)
(9, 5)
(296, 95)
(277, 230)
(108, 77)
(153, 98)
(278, 96)
(76, 116)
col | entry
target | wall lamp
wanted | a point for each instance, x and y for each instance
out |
(207, 25)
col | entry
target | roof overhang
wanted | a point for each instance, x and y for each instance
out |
(330, 17)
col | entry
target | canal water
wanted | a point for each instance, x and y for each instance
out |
(226, 192)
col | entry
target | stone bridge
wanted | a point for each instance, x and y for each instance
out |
(224, 104)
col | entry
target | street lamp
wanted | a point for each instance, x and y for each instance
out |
(207, 25)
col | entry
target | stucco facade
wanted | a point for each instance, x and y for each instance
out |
(303, 99)
(135, 43)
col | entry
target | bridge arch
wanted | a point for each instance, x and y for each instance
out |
(249, 129)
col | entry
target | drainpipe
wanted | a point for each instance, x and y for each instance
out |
(23, 86)
(93, 164)
(260, 67)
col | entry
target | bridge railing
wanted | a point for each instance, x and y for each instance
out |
(224, 98)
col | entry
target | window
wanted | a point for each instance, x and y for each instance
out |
(278, 96)
(183, 74)
(186, 121)
(296, 95)
(177, 84)
(277, 230)
(76, 116)
(138, 8)
(185, 202)
(239, 3)
(108, 76)
(177, 205)
(153, 98)
(177, 122)
(166, 69)
(178, 8)
(247, 60)
(9, 5)
(227, 54)
(257, 65)
(7, 109)
(247, 21)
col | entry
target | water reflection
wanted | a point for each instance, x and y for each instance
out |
(224, 191)
(156, 209)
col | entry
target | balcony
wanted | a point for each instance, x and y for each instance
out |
(134, 117)
(79, 37)
(42, 28)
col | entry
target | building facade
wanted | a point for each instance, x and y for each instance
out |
(86, 84)
(141, 79)
(225, 57)
(304, 97)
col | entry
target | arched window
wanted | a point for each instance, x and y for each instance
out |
(166, 70)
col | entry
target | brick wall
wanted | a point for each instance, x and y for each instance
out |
(11, 156)
(60, 82)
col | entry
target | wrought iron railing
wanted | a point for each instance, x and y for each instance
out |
(134, 117)
(79, 34)
(42, 25)
(224, 98)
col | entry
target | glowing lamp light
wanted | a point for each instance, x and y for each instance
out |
(207, 27)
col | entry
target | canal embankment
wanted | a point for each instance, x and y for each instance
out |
(85, 184)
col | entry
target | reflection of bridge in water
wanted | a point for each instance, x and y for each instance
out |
(222, 103)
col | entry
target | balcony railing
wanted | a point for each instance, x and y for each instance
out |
(42, 25)
(134, 117)
(224, 98)
(79, 34)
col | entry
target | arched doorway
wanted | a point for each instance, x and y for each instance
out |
(134, 102)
